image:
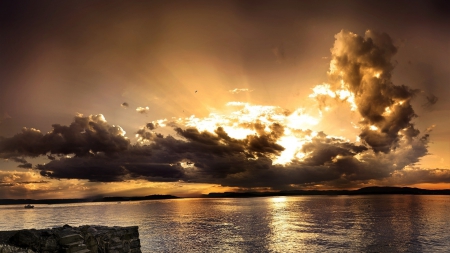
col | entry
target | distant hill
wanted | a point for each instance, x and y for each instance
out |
(375, 190)
(150, 197)
(40, 201)
(67, 201)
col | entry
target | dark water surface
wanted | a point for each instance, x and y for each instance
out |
(391, 223)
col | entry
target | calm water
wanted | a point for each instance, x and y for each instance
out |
(393, 223)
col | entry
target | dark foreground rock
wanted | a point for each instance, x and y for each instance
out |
(67, 239)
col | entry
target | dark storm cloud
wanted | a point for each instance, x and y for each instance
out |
(262, 143)
(324, 150)
(206, 157)
(218, 158)
(214, 155)
(344, 170)
(83, 136)
(334, 163)
(364, 65)
(102, 169)
(158, 161)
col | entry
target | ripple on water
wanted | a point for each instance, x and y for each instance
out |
(392, 223)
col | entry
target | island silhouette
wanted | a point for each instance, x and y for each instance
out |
(373, 190)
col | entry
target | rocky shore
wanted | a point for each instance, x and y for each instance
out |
(83, 239)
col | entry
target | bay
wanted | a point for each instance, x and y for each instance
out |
(371, 223)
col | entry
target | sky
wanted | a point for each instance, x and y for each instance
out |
(133, 98)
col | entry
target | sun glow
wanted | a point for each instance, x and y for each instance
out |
(299, 119)
(291, 130)
(238, 132)
(342, 93)
(292, 145)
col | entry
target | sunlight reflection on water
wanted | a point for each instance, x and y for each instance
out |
(392, 223)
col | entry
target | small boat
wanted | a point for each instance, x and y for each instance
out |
(29, 206)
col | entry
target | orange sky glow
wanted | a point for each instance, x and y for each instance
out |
(133, 99)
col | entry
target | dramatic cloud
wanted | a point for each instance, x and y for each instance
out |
(206, 157)
(255, 145)
(215, 157)
(200, 157)
(323, 149)
(360, 73)
(84, 136)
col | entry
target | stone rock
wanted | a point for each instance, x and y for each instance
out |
(25, 238)
(12, 249)
(83, 239)
(50, 244)
(91, 230)
(73, 238)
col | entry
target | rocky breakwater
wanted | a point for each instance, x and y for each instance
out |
(67, 239)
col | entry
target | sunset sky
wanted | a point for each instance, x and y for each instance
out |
(132, 98)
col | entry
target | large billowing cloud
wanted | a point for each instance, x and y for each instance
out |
(255, 146)
(360, 72)
(85, 135)
(211, 158)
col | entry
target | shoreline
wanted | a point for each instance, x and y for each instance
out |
(374, 190)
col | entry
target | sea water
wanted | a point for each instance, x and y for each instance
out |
(375, 223)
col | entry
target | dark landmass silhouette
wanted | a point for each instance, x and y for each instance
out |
(375, 190)
(39, 201)
(150, 197)
(67, 201)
